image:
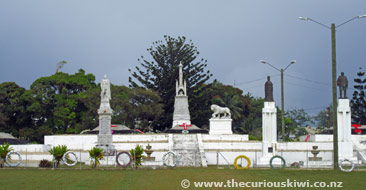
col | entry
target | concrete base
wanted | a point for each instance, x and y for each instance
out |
(152, 163)
(108, 150)
(220, 127)
(319, 164)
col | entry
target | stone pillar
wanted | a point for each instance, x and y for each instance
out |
(105, 135)
(269, 133)
(345, 147)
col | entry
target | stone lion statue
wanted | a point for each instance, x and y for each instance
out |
(218, 111)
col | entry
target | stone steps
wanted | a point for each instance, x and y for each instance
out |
(187, 150)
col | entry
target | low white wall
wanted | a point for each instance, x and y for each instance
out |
(229, 138)
(74, 142)
(31, 148)
(229, 146)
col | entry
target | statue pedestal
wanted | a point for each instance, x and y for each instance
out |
(269, 122)
(220, 126)
(269, 133)
(105, 138)
(345, 147)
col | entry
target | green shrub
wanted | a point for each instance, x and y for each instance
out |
(252, 138)
(4, 150)
(58, 152)
(96, 154)
(45, 164)
(136, 154)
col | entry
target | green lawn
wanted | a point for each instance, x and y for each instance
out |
(21, 178)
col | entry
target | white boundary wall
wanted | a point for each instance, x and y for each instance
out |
(230, 146)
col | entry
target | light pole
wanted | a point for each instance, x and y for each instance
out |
(282, 94)
(334, 76)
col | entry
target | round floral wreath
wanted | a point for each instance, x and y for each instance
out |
(236, 162)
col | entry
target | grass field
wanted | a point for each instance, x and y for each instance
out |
(21, 178)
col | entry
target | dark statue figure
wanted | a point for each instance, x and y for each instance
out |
(268, 91)
(342, 83)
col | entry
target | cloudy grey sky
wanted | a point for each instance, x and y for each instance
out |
(107, 37)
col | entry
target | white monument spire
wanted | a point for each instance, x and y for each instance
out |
(180, 74)
(181, 88)
(181, 111)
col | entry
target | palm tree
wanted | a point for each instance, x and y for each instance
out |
(232, 102)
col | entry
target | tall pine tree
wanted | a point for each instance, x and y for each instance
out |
(161, 73)
(358, 101)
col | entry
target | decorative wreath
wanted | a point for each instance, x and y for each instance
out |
(283, 162)
(65, 158)
(166, 156)
(346, 170)
(240, 157)
(7, 159)
(123, 165)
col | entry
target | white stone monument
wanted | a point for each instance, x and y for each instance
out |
(181, 111)
(269, 133)
(105, 116)
(220, 125)
(345, 147)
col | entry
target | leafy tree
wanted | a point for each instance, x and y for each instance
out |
(358, 101)
(231, 97)
(252, 125)
(135, 107)
(322, 118)
(60, 65)
(299, 117)
(13, 104)
(57, 102)
(161, 73)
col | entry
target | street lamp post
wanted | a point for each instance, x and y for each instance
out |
(334, 78)
(282, 95)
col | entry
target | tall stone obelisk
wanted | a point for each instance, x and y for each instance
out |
(105, 116)
(181, 111)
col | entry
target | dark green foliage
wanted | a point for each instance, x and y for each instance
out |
(136, 154)
(45, 164)
(13, 108)
(322, 118)
(252, 124)
(358, 102)
(161, 74)
(58, 102)
(224, 96)
(4, 150)
(58, 152)
(96, 154)
(135, 107)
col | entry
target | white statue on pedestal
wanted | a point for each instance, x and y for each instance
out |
(220, 123)
(218, 111)
(106, 89)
